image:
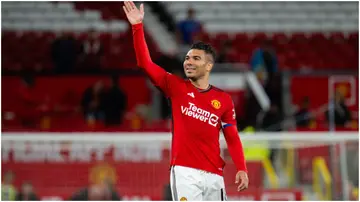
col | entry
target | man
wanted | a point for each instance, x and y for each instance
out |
(91, 52)
(115, 103)
(8, 190)
(303, 116)
(199, 112)
(342, 115)
(27, 193)
(92, 102)
(188, 28)
(264, 62)
(64, 52)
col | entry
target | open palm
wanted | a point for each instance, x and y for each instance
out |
(133, 14)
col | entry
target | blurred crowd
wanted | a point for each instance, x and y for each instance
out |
(108, 104)
(104, 191)
(98, 103)
(10, 193)
(68, 53)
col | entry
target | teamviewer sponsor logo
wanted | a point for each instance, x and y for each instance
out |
(200, 114)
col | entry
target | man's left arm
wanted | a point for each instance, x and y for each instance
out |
(228, 122)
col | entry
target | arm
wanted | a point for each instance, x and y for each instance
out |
(234, 145)
(232, 138)
(157, 75)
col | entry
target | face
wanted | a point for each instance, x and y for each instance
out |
(197, 64)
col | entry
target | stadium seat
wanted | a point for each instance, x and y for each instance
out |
(40, 21)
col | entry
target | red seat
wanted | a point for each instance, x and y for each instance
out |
(259, 38)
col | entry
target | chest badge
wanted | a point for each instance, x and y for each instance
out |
(216, 104)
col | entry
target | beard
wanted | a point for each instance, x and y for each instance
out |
(194, 73)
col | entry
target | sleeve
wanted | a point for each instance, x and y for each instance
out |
(158, 76)
(228, 122)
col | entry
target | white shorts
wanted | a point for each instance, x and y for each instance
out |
(189, 184)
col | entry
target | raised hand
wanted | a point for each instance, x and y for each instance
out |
(133, 14)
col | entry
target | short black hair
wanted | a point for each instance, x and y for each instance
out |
(205, 47)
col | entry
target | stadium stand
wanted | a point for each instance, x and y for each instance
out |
(30, 27)
(305, 34)
(317, 36)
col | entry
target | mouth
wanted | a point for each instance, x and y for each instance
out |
(190, 69)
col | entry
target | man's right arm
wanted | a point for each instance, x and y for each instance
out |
(157, 74)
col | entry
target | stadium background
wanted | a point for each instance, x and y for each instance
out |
(59, 137)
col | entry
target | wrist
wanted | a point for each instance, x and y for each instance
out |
(137, 24)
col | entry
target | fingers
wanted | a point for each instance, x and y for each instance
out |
(237, 178)
(243, 185)
(125, 10)
(128, 6)
(133, 6)
(142, 8)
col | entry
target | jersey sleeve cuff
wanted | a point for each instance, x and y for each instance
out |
(136, 26)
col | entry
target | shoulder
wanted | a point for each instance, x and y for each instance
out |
(217, 89)
(221, 93)
(172, 78)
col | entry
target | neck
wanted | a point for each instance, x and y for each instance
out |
(201, 83)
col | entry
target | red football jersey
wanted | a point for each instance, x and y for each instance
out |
(198, 116)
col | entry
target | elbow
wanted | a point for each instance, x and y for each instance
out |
(144, 63)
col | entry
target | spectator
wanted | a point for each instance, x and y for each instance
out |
(272, 119)
(303, 116)
(342, 116)
(114, 195)
(252, 109)
(64, 53)
(273, 90)
(8, 191)
(27, 193)
(188, 28)
(91, 52)
(94, 192)
(93, 102)
(264, 62)
(224, 53)
(115, 103)
(104, 191)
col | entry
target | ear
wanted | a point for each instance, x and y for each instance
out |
(209, 66)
